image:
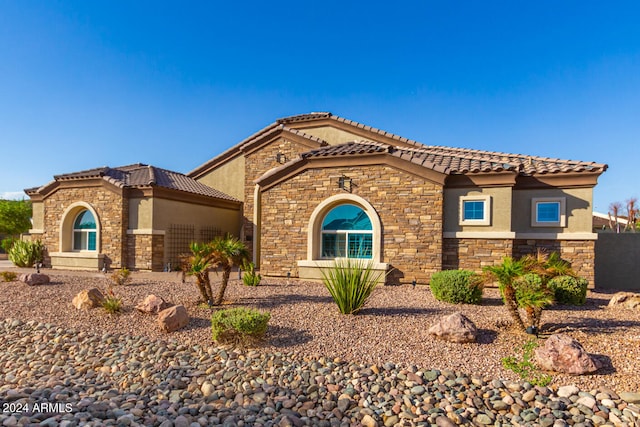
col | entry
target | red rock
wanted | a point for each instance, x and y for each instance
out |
(34, 279)
(173, 318)
(561, 353)
(455, 328)
(88, 298)
(152, 304)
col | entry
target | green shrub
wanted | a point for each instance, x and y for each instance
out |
(8, 276)
(350, 282)
(121, 277)
(25, 254)
(7, 243)
(456, 286)
(525, 368)
(112, 304)
(239, 326)
(569, 290)
(250, 277)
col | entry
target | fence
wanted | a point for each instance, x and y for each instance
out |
(617, 261)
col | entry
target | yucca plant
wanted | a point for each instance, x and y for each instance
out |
(24, 253)
(350, 283)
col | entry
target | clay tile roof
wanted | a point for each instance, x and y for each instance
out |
(349, 148)
(141, 175)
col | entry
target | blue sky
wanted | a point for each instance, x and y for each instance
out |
(87, 84)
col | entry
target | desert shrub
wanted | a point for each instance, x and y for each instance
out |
(524, 366)
(112, 304)
(569, 290)
(25, 254)
(121, 277)
(350, 283)
(456, 286)
(239, 326)
(250, 277)
(8, 276)
(7, 243)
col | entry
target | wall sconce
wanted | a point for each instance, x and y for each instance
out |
(281, 158)
(344, 183)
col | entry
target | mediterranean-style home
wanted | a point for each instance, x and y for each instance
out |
(314, 187)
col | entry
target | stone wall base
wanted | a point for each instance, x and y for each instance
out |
(145, 252)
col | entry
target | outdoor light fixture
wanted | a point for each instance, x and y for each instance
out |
(344, 183)
(281, 158)
(413, 283)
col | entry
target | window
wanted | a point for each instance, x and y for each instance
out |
(347, 233)
(548, 212)
(84, 232)
(475, 210)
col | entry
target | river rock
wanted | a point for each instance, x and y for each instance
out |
(88, 298)
(455, 328)
(152, 304)
(173, 318)
(561, 353)
(625, 300)
(34, 279)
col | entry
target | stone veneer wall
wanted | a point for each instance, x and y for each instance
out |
(580, 253)
(145, 252)
(112, 213)
(409, 207)
(474, 254)
(256, 164)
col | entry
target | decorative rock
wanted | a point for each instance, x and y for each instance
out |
(88, 298)
(561, 353)
(173, 318)
(625, 300)
(455, 328)
(567, 390)
(630, 397)
(368, 421)
(152, 304)
(34, 279)
(443, 421)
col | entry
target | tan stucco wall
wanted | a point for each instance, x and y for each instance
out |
(332, 135)
(167, 212)
(228, 178)
(578, 210)
(37, 217)
(500, 209)
(140, 213)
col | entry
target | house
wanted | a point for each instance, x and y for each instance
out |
(317, 186)
(136, 216)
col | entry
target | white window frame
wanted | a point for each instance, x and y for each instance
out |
(487, 210)
(562, 220)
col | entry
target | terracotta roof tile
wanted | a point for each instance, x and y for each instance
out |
(141, 175)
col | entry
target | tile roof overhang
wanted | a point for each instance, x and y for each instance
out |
(139, 179)
(444, 165)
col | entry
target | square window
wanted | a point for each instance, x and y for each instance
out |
(475, 210)
(548, 212)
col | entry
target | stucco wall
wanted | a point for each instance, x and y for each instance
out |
(330, 134)
(578, 210)
(500, 209)
(140, 213)
(409, 208)
(167, 212)
(37, 216)
(228, 177)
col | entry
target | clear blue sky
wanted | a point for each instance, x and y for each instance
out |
(93, 83)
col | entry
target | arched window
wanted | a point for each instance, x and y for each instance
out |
(84, 232)
(347, 233)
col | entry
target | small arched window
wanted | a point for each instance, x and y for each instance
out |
(347, 233)
(84, 232)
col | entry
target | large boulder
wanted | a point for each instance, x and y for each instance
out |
(88, 298)
(152, 304)
(561, 353)
(173, 318)
(34, 279)
(625, 300)
(455, 328)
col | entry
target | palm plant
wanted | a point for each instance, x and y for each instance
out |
(506, 274)
(198, 264)
(226, 252)
(532, 294)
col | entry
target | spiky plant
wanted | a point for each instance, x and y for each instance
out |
(350, 283)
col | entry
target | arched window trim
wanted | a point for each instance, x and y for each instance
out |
(67, 224)
(345, 237)
(314, 233)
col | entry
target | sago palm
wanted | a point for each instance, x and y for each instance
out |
(226, 252)
(506, 273)
(198, 264)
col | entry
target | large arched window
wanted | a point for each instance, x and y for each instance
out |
(347, 233)
(84, 232)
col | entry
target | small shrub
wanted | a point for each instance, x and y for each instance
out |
(121, 277)
(250, 277)
(25, 254)
(456, 286)
(112, 304)
(8, 276)
(7, 243)
(239, 326)
(569, 290)
(350, 283)
(525, 367)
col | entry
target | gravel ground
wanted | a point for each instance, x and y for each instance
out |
(391, 328)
